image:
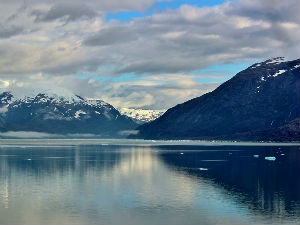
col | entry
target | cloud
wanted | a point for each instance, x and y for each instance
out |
(114, 35)
(103, 5)
(4, 83)
(152, 92)
(273, 11)
(155, 92)
(7, 32)
(190, 38)
(171, 41)
(64, 11)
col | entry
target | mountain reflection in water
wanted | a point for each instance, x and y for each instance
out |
(105, 184)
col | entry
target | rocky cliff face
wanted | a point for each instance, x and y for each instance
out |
(61, 115)
(261, 103)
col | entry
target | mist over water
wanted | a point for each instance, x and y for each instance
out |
(111, 182)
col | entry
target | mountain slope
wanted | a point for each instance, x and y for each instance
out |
(258, 103)
(141, 115)
(61, 115)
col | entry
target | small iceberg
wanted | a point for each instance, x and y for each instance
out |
(181, 153)
(256, 156)
(29, 159)
(203, 169)
(271, 158)
(282, 154)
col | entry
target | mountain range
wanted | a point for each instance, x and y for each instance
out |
(53, 114)
(260, 103)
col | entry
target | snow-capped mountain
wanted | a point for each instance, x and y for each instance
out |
(141, 115)
(52, 113)
(261, 102)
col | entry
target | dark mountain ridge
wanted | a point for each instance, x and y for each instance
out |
(260, 103)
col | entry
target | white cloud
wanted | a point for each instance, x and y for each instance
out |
(4, 84)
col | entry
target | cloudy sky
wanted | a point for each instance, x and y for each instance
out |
(150, 54)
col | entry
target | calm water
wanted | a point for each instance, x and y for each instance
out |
(136, 183)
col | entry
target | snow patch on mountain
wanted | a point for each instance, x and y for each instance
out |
(142, 115)
(276, 60)
(96, 102)
(279, 72)
(78, 113)
(297, 66)
(256, 65)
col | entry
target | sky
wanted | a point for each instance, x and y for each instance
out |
(150, 54)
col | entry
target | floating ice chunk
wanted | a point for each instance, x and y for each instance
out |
(181, 153)
(203, 169)
(282, 154)
(256, 156)
(271, 158)
(262, 79)
(29, 159)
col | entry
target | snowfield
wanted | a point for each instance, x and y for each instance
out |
(142, 115)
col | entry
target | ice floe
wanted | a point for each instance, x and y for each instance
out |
(270, 158)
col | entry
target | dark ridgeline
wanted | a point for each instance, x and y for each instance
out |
(261, 103)
(59, 115)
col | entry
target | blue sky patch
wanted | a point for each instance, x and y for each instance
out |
(222, 72)
(126, 16)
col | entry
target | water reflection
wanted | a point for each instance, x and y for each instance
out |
(148, 185)
(266, 187)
